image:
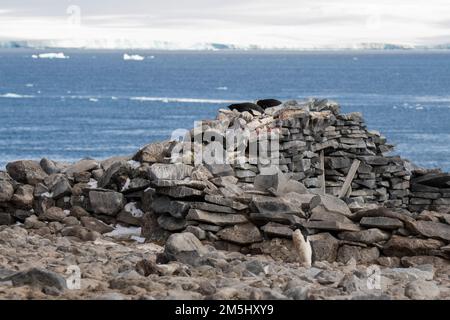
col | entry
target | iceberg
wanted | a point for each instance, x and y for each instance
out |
(15, 96)
(59, 55)
(133, 57)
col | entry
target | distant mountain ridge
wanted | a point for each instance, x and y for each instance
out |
(127, 44)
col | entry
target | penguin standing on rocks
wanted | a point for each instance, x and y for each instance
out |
(302, 247)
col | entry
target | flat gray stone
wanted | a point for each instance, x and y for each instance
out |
(399, 246)
(273, 229)
(180, 192)
(169, 223)
(179, 171)
(278, 205)
(220, 219)
(243, 234)
(39, 278)
(225, 202)
(211, 207)
(283, 218)
(384, 223)
(331, 225)
(163, 204)
(434, 230)
(106, 202)
(369, 236)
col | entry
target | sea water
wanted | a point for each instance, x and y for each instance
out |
(96, 104)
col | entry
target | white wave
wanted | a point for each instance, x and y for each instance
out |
(187, 100)
(59, 55)
(29, 85)
(15, 96)
(133, 57)
(93, 99)
(222, 88)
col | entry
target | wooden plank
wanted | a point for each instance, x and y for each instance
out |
(322, 167)
(349, 178)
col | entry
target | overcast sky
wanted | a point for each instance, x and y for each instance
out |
(291, 23)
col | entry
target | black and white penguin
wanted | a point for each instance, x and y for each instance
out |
(246, 106)
(268, 103)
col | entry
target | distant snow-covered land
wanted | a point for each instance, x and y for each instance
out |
(126, 44)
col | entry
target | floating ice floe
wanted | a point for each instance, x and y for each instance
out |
(15, 96)
(133, 57)
(184, 100)
(59, 55)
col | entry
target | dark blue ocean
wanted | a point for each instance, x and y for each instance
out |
(97, 105)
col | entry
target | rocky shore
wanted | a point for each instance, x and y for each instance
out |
(306, 203)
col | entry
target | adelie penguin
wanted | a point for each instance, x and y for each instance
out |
(247, 106)
(268, 103)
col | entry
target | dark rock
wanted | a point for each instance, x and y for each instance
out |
(154, 152)
(78, 212)
(49, 166)
(169, 223)
(106, 202)
(117, 174)
(242, 234)
(283, 218)
(177, 209)
(81, 166)
(332, 204)
(247, 106)
(324, 247)
(220, 219)
(6, 191)
(21, 215)
(273, 205)
(361, 255)
(52, 214)
(80, 232)
(94, 224)
(58, 186)
(25, 171)
(276, 230)
(185, 248)
(6, 219)
(82, 177)
(219, 170)
(151, 230)
(39, 278)
(225, 202)
(381, 223)
(434, 230)
(369, 236)
(402, 246)
(196, 231)
(23, 197)
(211, 207)
(331, 225)
(437, 180)
(180, 192)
